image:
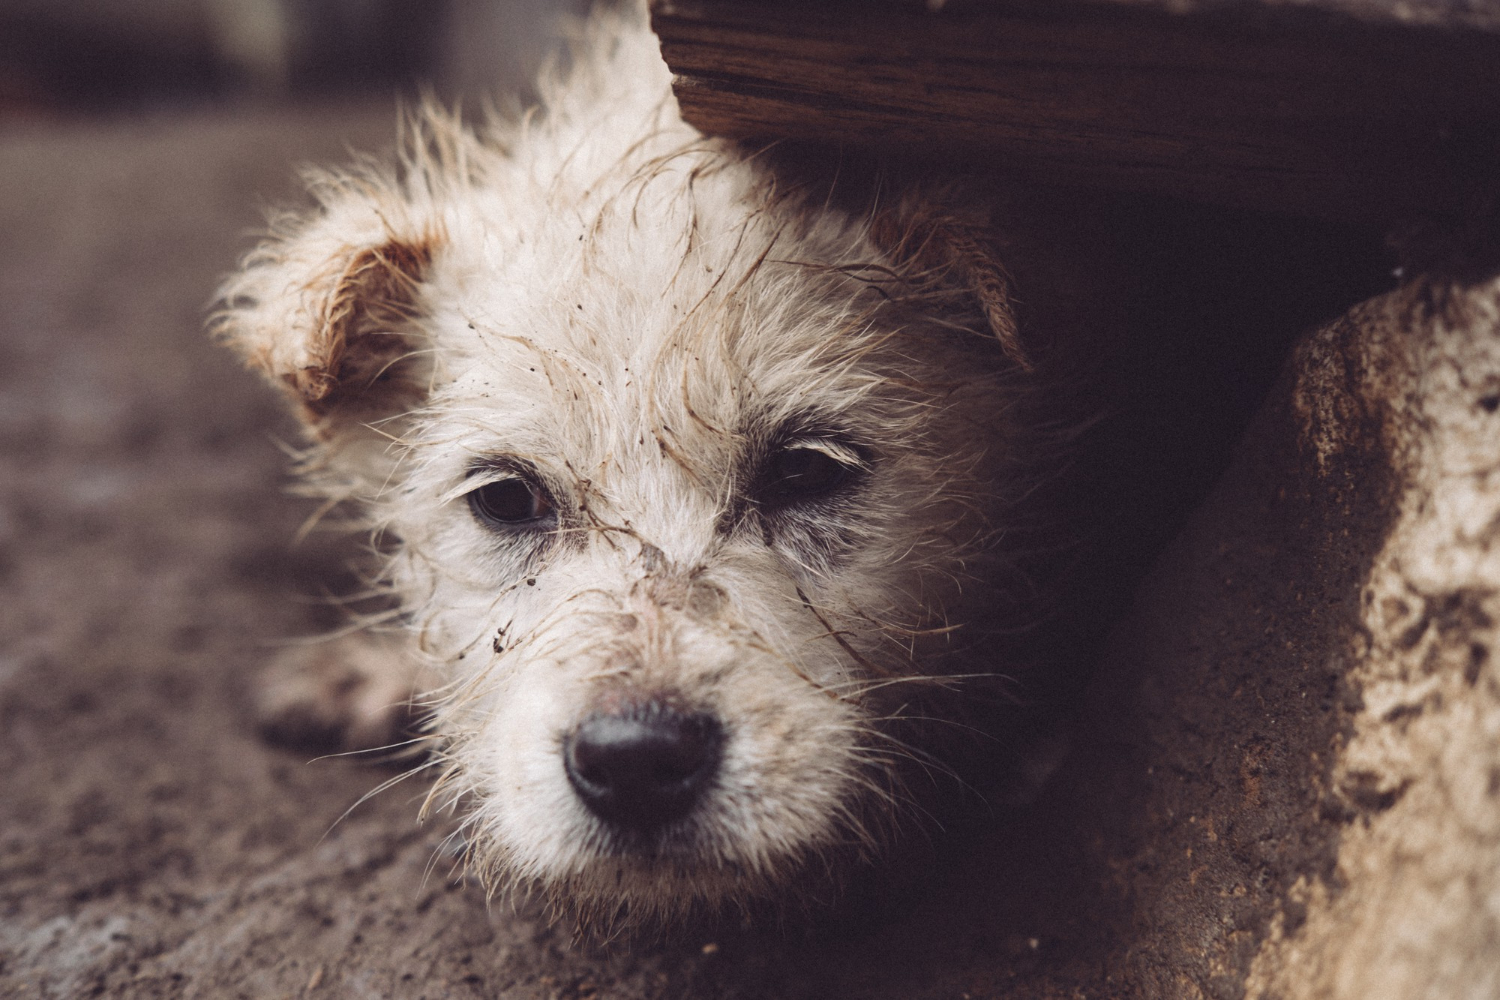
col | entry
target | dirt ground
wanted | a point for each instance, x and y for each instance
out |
(152, 846)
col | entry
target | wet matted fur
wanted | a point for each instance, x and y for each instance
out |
(643, 433)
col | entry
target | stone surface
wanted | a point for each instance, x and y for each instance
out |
(1288, 780)
(1412, 905)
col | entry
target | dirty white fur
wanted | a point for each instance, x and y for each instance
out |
(641, 319)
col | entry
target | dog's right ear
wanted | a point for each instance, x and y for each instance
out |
(328, 308)
(941, 253)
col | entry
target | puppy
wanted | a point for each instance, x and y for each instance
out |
(700, 499)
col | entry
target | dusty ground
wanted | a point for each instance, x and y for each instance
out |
(152, 846)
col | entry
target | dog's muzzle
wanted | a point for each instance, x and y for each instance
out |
(643, 766)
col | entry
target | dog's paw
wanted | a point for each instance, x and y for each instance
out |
(352, 693)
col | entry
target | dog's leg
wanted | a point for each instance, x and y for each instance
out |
(350, 693)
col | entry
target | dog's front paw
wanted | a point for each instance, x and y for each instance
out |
(352, 693)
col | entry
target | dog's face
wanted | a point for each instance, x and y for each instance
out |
(683, 509)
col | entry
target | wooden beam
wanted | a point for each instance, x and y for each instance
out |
(1259, 105)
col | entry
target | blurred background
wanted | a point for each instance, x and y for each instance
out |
(95, 56)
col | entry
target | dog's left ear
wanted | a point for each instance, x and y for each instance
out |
(939, 254)
(328, 309)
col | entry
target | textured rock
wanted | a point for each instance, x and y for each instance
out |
(1290, 774)
(1412, 906)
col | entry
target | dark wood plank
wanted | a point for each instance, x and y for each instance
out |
(1262, 106)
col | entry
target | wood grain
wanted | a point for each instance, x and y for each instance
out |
(1268, 107)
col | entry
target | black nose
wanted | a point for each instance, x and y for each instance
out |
(643, 767)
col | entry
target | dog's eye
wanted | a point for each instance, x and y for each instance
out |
(510, 502)
(796, 474)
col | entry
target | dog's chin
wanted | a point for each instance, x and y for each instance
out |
(681, 878)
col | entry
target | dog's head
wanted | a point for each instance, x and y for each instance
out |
(696, 490)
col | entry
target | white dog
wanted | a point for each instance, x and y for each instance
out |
(698, 495)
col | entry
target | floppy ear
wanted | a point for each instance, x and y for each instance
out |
(938, 253)
(327, 308)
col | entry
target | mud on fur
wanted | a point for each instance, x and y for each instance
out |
(704, 505)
